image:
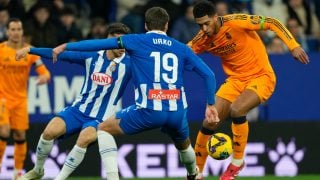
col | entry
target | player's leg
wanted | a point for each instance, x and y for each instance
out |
(55, 128)
(19, 123)
(255, 92)
(131, 120)
(108, 146)
(178, 129)
(20, 151)
(240, 130)
(4, 129)
(187, 157)
(4, 136)
(87, 136)
(223, 108)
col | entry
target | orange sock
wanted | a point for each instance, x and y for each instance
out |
(200, 150)
(20, 152)
(3, 145)
(240, 137)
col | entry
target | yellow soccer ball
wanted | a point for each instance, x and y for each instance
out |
(219, 146)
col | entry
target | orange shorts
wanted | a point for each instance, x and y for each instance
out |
(16, 117)
(262, 85)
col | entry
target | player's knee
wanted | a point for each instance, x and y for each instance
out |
(5, 131)
(85, 141)
(101, 126)
(19, 135)
(104, 127)
(236, 111)
(49, 135)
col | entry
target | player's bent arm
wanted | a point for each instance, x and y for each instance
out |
(280, 30)
(206, 73)
(256, 22)
(210, 80)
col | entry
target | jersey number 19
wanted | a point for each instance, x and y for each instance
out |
(163, 69)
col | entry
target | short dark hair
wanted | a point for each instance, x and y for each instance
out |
(203, 8)
(117, 28)
(13, 20)
(156, 18)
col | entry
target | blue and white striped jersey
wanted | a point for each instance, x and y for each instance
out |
(104, 82)
(158, 63)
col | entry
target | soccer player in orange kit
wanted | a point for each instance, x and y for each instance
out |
(250, 77)
(14, 77)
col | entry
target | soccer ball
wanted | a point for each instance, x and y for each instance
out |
(219, 146)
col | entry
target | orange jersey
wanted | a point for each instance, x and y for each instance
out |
(240, 48)
(14, 75)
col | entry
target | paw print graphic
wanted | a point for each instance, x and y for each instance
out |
(286, 158)
(53, 163)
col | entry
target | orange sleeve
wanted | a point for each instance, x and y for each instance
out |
(197, 43)
(42, 70)
(255, 22)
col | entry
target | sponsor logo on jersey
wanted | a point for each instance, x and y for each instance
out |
(101, 78)
(160, 94)
(228, 36)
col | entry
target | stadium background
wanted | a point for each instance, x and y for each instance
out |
(283, 140)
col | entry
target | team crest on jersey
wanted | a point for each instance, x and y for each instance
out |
(113, 67)
(228, 36)
(255, 19)
(101, 78)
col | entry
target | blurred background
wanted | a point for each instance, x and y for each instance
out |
(283, 131)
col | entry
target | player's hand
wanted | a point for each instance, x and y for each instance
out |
(299, 54)
(212, 114)
(57, 50)
(42, 79)
(21, 53)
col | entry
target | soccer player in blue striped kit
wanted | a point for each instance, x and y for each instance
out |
(157, 63)
(106, 74)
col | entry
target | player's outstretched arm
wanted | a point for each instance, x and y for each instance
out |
(70, 56)
(299, 54)
(205, 72)
(43, 52)
(87, 45)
